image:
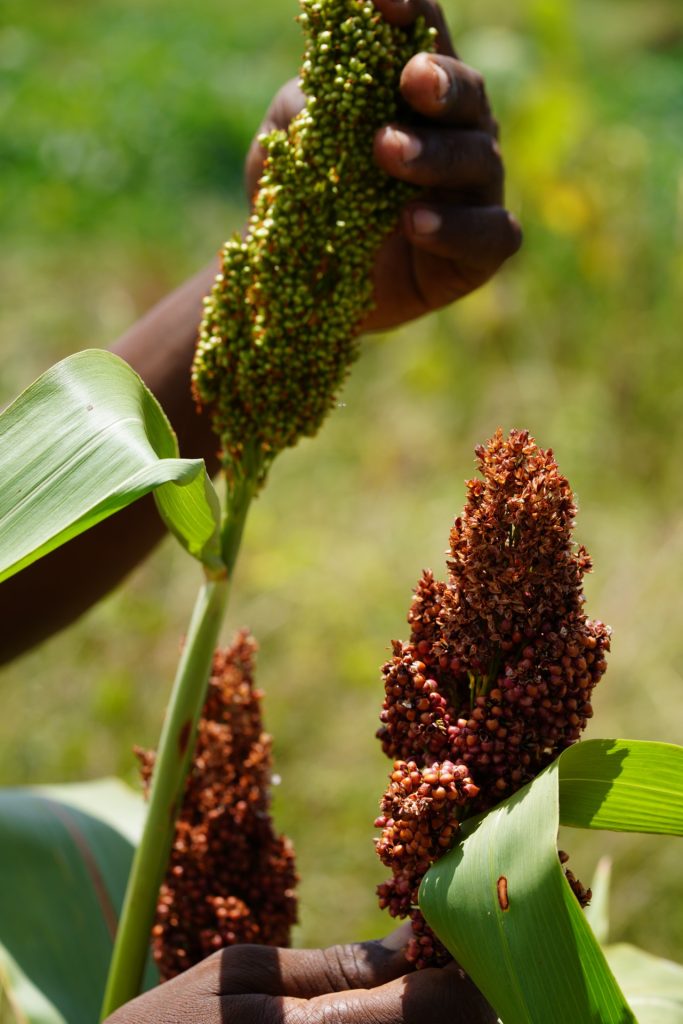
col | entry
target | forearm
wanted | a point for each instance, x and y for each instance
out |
(160, 347)
(54, 591)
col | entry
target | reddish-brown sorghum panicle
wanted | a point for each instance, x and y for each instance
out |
(497, 676)
(230, 878)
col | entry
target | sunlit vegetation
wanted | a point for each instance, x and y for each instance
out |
(124, 130)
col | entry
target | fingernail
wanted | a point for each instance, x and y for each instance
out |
(398, 938)
(443, 84)
(409, 146)
(425, 222)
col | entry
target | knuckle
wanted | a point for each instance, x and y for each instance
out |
(492, 158)
(514, 236)
(489, 147)
(474, 159)
(478, 85)
(470, 159)
(504, 240)
(341, 965)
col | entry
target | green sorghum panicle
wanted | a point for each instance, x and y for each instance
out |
(279, 328)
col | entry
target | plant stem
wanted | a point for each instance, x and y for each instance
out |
(174, 756)
(239, 498)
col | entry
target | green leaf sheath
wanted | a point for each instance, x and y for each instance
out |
(623, 785)
(63, 866)
(84, 441)
(500, 903)
(168, 779)
(172, 764)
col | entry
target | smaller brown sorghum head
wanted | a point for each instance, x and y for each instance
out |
(231, 878)
(583, 895)
(497, 676)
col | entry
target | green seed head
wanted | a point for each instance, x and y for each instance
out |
(279, 328)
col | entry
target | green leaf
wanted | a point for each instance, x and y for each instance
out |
(84, 441)
(109, 800)
(653, 987)
(20, 1001)
(499, 900)
(597, 912)
(500, 903)
(623, 785)
(63, 874)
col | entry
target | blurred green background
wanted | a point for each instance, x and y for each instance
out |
(124, 125)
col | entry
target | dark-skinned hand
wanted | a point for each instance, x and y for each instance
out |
(455, 235)
(354, 984)
(451, 239)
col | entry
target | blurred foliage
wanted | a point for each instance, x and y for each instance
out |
(124, 129)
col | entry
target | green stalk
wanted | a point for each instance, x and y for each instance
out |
(174, 756)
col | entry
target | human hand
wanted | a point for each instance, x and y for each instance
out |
(354, 984)
(456, 234)
(461, 176)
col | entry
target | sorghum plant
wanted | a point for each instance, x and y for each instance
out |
(496, 678)
(277, 338)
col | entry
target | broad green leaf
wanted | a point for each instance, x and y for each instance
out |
(499, 900)
(84, 441)
(110, 800)
(653, 987)
(623, 785)
(63, 873)
(500, 903)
